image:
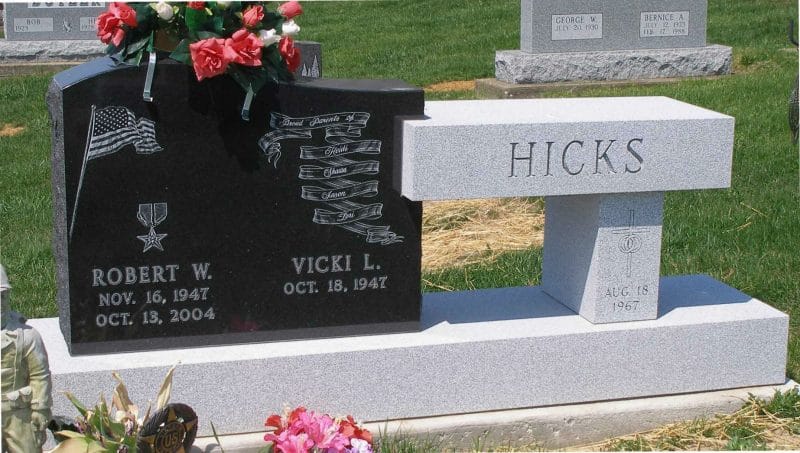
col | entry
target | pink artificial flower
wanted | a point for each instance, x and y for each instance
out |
(109, 23)
(244, 48)
(324, 432)
(196, 5)
(290, 9)
(293, 443)
(252, 16)
(289, 53)
(208, 57)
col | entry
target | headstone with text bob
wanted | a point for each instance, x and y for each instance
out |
(45, 21)
(177, 223)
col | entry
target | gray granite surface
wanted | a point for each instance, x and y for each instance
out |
(30, 21)
(548, 26)
(499, 148)
(481, 350)
(517, 66)
(602, 254)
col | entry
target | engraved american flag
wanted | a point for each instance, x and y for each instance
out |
(114, 127)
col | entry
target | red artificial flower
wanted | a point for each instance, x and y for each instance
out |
(252, 16)
(109, 23)
(290, 53)
(244, 48)
(208, 57)
(350, 429)
(290, 9)
(197, 5)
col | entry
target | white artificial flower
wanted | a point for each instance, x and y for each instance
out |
(223, 5)
(268, 37)
(164, 11)
(360, 446)
(290, 28)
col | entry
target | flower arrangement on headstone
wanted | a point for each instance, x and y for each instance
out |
(25, 383)
(300, 430)
(242, 39)
(171, 428)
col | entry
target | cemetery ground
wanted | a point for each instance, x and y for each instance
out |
(746, 236)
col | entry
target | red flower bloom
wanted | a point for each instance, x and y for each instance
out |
(197, 5)
(208, 57)
(252, 16)
(290, 53)
(290, 9)
(109, 24)
(349, 428)
(243, 48)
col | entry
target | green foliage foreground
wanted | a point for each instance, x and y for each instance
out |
(746, 236)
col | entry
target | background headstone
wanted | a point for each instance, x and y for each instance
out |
(285, 226)
(583, 40)
(581, 25)
(45, 21)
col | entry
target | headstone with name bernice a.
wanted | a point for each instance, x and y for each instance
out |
(177, 223)
(45, 21)
(573, 40)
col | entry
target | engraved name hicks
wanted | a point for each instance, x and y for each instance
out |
(577, 157)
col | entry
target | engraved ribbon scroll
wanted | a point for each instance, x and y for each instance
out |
(332, 169)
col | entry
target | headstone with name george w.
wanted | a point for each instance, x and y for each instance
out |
(177, 223)
(44, 21)
(574, 40)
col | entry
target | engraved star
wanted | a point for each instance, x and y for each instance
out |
(152, 239)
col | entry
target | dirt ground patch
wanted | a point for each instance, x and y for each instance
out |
(457, 233)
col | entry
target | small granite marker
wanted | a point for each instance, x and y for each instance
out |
(571, 40)
(44, 21)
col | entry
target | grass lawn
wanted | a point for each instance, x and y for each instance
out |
(747, 236)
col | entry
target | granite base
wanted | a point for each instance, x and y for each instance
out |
(517, 66)
(484, 350)
(541, 428)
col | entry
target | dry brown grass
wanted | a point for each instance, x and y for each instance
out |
(752, 423)
(457, 233)
(457, 85)
(10, 130)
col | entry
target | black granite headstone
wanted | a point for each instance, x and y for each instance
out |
(178, 224)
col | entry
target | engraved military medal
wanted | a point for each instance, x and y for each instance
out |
(150, 215)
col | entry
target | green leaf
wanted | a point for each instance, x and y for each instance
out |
(216, 437)
(195, 18)
(207, 35)
(218, 25)
(181, 52)
(138, 45)
(78, 405)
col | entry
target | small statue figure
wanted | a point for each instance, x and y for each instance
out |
(25, 380)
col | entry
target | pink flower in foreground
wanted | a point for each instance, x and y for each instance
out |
(244, 48)
(208, 57)
(323, 431)
(292, 443)
(290, 9)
